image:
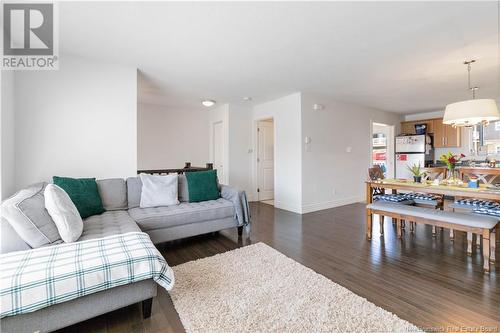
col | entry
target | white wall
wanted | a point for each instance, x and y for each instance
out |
(217, 114)
(167, 138)
(7, 166)
(286, 112)
(240, 145)
(79, 121)
(331, 175)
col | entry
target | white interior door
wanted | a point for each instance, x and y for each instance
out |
(265, 160)
(218, 149)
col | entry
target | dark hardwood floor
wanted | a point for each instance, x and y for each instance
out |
(430, 282)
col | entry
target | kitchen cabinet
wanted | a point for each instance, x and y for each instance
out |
(445, 136)
(408, 127)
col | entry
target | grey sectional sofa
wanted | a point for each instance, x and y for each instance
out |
(121, 201)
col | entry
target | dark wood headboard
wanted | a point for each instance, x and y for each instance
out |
(187, 168)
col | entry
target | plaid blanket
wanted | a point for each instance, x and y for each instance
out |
(35, 279)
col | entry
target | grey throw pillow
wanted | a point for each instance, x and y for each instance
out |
(25, 211)
(183, 189)
(113, 193)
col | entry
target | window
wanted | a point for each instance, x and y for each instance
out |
(491, 137)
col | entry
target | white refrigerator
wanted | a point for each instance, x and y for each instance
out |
(410, 150)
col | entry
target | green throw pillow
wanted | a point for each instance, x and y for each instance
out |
(202, 185)
(84, 194)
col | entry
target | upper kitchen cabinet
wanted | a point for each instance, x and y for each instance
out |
(445, 136)
(408, 127)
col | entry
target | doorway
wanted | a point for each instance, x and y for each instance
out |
(383, 148)
(265, 161)
(218, 146)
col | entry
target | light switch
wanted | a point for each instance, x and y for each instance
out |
(307, 140)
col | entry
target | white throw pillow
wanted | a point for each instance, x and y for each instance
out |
(158, 190)
(64, 213)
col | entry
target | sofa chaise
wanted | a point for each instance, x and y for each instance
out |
(121, 201)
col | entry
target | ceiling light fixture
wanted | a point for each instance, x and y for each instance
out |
(247, 98)
(473, 111)
(208, 103)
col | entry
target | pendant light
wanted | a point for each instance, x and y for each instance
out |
(471, 112)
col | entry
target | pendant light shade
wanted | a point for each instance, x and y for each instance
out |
(471, 112)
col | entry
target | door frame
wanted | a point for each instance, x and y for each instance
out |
(390, 150)
(226, 147)
(255, 167)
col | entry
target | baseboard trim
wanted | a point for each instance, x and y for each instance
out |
(331, 204)
(292, 209)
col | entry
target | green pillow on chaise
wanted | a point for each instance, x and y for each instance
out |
(84, 194)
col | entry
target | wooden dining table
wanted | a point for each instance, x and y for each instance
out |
(463, 191)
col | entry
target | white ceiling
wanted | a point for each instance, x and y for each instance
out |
(398, 56)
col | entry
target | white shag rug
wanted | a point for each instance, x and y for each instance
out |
(258, 289)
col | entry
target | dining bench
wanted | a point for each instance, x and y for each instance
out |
(473, 223)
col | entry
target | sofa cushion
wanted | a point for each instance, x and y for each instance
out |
(134, 189)
(64, 213)
(158, 190)
(25, 211)
(108, 224)
(9, 239)
(113, 193)
(202, 186)
(84, 194)
(184, 213)
(183, 192)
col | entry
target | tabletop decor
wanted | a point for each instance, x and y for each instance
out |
(451, 161)
(417, 172)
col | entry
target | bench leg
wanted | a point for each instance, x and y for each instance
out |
(381, 223)
(240, 231)
(469, 243)
(399, 228)
(493, 246)
(486, 251)
(452, 235)
(478, 241)
(369, 220)
(433, 231)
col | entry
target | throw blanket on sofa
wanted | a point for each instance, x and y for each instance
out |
(38, 278)
(240, 202)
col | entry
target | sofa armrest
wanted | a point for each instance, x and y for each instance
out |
(229, 192)
(240, 202)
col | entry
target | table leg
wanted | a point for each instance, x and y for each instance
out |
(369, 221)
(381, 223)
(469, 243)
(369, 193)
(400, 232)
(493, 246)
(486, 251)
